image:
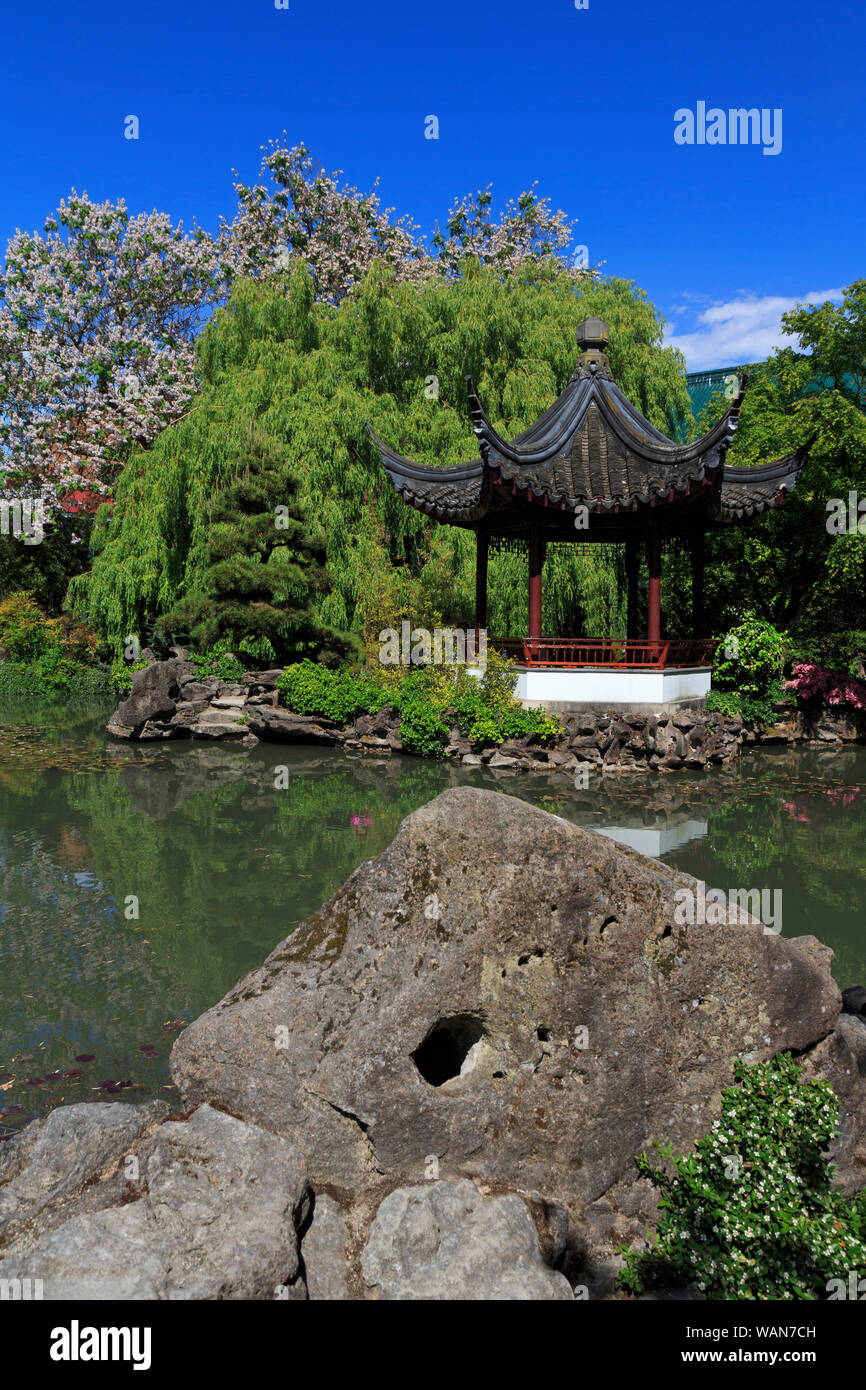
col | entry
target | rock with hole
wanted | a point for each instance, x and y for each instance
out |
(503, 996)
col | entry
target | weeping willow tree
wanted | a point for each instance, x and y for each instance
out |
(311, 376)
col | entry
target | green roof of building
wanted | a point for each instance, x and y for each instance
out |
(702, 386)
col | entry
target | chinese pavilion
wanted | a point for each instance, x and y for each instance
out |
(593, 469)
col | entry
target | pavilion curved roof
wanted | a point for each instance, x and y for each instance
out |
(591, 448)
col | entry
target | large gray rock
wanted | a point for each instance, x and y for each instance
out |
(282, 726)
(446, 1240)
(841, 1059)
(155, 691)
(512, 995)
(219, 1204)
(52, 1162)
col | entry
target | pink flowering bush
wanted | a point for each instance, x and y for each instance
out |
(814, 683)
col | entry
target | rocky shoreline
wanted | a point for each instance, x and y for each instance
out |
(170, 701)
(436, 1086)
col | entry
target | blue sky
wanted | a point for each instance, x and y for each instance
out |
(723, 238)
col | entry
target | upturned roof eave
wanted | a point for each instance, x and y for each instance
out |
(555, 429)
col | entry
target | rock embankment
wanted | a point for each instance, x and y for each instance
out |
(169, 700)
(436, 1086)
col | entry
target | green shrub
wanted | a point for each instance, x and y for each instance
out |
(747, 671)
(753, 1212)
(120, 675)
(843, 651)
(46, 656)
(750, 658)
(422, 727)
(429, 698)
(21, 679)
(25, 631)
(222, 664)
(753, 711)
(340, 694)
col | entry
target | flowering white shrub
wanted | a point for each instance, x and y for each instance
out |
(753, 1212)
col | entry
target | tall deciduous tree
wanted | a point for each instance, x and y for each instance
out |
(297, 211)
(98, 317)
(99, 312)
(789, 568)
(393, 354)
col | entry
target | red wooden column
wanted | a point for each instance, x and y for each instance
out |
(481, 550)
(536, 565)
(698, 563)
(632, 568)
(654, 565)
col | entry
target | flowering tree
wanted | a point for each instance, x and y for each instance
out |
(527, 229)
(811, 682)
(98, 315)
(97, 322)
(297, 211)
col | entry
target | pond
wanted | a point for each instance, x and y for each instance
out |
(140, 882)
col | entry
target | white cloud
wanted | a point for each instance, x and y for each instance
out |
(742, 330)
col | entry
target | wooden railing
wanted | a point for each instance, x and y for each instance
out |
(616, 652)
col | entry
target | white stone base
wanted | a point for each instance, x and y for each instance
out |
(547, 687)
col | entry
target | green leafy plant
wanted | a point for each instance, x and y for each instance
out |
(341, 694)
(222, 664)
(120, 675)
(753, 711)
(753, 1212)
(25, 631)
(43, 655)
(748, 670)
(430, 700)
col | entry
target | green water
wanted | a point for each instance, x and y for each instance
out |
(223, 865)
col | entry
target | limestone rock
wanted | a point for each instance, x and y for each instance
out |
(285, 727)
(509, 993)
(324, 1250)
(446, 1240)
(218, 1219)
(53, 1159)
(155, 691)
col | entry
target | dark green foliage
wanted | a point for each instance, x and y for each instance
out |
(430, 700)
(224, 665)
(53, 675)
(45, 570)
(836, 650)
(747, 671)
(266, 575)
(312, 376)
(308, 688)
(753, 710)
(753, 1212)
(787, 567)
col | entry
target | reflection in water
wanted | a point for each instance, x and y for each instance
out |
(139, 883)
(656, 841)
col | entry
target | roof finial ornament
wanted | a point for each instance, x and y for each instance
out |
(593, 336)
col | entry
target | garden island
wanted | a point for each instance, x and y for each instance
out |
(434, 768)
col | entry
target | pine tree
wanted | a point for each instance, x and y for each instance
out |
(265, 573)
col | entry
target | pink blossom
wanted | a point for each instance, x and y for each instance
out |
(813, 682)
